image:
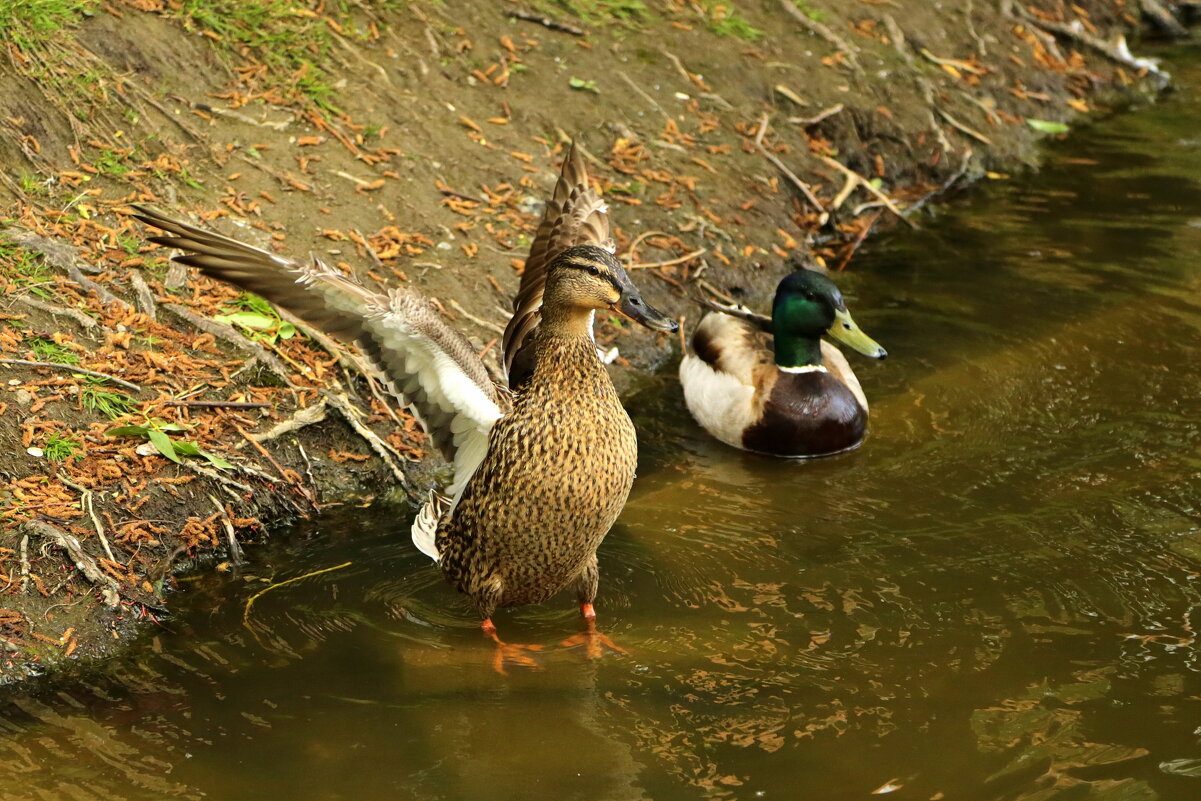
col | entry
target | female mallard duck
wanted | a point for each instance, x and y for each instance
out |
(541, 474)
(771, 385)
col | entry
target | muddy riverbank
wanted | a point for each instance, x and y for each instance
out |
(153, 418)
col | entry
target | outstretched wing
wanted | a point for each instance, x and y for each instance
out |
(575, 215)
(428, 365)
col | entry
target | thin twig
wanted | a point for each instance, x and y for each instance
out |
(24, 562)
(815, 119)
(668, 263)
(842, 264)
(866, 184)
(638, 240)
(86, 504)
(221, 404)
(235, 489)
(73, 369)
(545, 22)
(482, 323)
(644, 95)
(235, 550)
(797, 182)
(959, 126)
(816, 28)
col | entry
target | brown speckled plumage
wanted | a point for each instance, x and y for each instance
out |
(558, 471)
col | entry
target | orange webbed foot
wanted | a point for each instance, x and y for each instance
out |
(593, 641)
(510, 653)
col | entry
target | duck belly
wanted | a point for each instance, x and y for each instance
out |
(539, 506)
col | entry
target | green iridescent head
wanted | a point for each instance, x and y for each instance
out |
(807, 307)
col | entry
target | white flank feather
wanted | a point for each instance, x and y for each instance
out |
(720, 402)
(425, 526)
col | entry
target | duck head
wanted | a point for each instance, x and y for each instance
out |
(585, 278)
(807, 307)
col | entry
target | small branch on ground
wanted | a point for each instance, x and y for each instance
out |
(303, 417)
(1163, 19)
(870, 187)
(75, 314)
(86, 505)
(108, 586)
(825, 114)
(1117, 50)
(73, 369)
(235, 550)
(221, 404)
(643, 94)
(544, 21)
(959, 126)
(143, 295)
(382, 449)
(644, 265)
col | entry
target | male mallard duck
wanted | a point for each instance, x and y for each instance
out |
(540, 475)
(771, 385)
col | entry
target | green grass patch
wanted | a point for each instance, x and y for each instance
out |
(25, 268)
(47, 350)
(724, 20)
(110, 403)
(60, 448)
(19, 261)
(109, 162)
(815, 14)
(285, 35)
(27, 23)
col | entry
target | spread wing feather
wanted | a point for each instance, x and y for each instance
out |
(575, 215)
(427, 364)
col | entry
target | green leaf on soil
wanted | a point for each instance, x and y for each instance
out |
(1046, 126)
(248, 319)
(162, 443)
(584, 85)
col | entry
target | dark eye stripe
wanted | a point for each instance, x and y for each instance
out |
(592, 268)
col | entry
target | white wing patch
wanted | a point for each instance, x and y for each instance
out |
(447, 388)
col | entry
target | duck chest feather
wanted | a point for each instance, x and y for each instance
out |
(807, 414)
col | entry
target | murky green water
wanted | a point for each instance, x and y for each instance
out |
(993, 599)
